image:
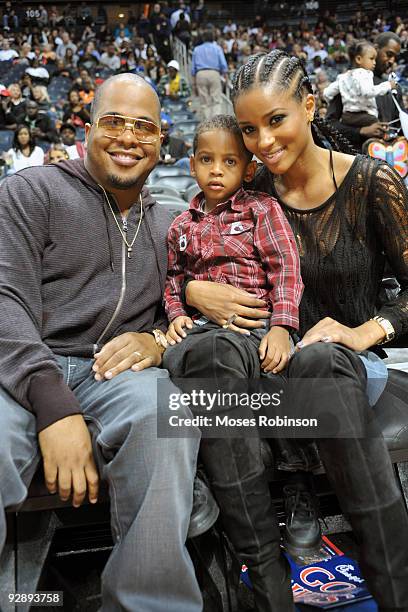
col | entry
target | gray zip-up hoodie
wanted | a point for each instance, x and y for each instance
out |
(66, 284)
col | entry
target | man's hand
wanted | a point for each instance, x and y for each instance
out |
(176, 332)
(132, 350)
(218, 302)
(274, 350)
(68, 461)
(374, 130)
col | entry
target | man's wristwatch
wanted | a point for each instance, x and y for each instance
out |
(160, 339)
(387, 327)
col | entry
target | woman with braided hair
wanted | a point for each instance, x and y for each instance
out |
(349, 215)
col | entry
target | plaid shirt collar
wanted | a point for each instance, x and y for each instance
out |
(235, 202)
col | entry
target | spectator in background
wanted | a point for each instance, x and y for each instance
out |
(24, 153)
(173, 85)
(7, 118)
(175, 16)
(110, 58)
(208, 65)
(85, 87)
(10, 18)
(6, 53)
(73, 147)
(70, 59)
(121, 38)
(89, 58)
(229, 27)
(17, 104)
(161, 32)
(56, 154)
(388, 48)
(66, 44)
(338, 51)
(356, 87)
(182, 30)
(43, 18)
(40, 95)
(121, 28)
(75, 112)
(40, 126)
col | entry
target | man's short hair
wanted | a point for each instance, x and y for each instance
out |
(384, 38)
(208, 35)
(221, 122)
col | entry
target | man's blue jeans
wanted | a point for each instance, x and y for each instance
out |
(150, 484)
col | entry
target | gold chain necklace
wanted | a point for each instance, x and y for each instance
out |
(122, 233)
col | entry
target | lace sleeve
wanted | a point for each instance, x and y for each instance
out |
(390, 207)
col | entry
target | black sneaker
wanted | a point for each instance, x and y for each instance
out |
(205, 509)
(302, 530)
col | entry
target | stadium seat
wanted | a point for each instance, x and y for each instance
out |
(164, 197)
(59, 88)
(172, 107)
(180, 183)
(156, 190)
(80, 134)
(174, 208)
(160, 171)
(181, 116)
(14, 74)
(182, 128)
(6, 140)
(44, 144)
(191, 192)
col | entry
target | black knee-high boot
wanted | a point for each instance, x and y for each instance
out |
(237, 479)
(360, 471)
(234, 465)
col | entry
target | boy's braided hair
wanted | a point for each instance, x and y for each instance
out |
(287, 73)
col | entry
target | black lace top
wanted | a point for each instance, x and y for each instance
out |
(344, 245)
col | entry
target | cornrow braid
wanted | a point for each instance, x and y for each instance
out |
(244, 77)
(328, 137)
(286, 71)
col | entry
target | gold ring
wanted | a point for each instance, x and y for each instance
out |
(230, 321)
(137, 353)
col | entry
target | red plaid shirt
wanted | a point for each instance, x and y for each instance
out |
(246, 242)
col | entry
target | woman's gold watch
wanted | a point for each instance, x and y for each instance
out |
(388, 328)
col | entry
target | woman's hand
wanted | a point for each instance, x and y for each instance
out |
(355, 338)
(274, 350)
(219, 302)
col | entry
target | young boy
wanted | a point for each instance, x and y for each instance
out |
(233, 236)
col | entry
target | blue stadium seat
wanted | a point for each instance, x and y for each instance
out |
(160, 171)
(45, 146)
(80, 134)
(157, 190)
(191, 192)
(6, 140)
(180, 183)
(189, 125)
(174, 208)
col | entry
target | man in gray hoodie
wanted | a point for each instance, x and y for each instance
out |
(82, 268)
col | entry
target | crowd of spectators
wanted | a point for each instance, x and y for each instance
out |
(52, 58)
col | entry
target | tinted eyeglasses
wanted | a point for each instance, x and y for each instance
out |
(113, 126)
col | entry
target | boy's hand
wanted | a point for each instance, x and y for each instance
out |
(176, 332)
(274, 350)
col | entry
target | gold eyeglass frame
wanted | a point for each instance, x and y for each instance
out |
(131, 123)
